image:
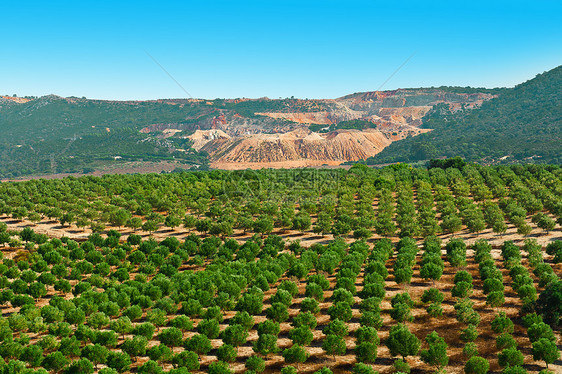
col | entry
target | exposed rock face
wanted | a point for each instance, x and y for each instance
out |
(202, 137)
(397, 113)
(264, 142)
(7, 101)
(19, 100)
(301, 147)
(320, 118)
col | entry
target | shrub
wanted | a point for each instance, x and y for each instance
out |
(436, 355)
(361, 368)
(501, 323)
(255, 363)
(336, 327)
(367, 334)
(199, 344)
(432, 295)
(401, 366)
(366, 352)
(301, 335)
(476, 365)
(209, 328)
(305, 319)
(268, 327)
(402, 342)
(510, 357)
(505, 340)
(340, 310)
(186, 359)
(296, 354)
(310, 305)
(277, 312)
(235, 335)
(469, 334)
(266, 344)
(470, 350)
(150, 367)
(227, 353)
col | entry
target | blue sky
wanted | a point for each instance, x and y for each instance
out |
(306, 49)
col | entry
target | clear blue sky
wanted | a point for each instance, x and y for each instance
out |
(309, 49)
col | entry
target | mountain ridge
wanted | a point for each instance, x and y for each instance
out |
(54, 134)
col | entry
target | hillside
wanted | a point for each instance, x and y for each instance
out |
(521, 124)
(53, 134)
(297, 148)
(383, 117)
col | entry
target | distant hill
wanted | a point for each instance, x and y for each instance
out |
(523, 123)
(53, 134)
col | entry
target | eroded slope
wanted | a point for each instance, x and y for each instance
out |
(299, 148)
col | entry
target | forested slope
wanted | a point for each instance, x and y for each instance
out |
(55, 134)
(523, 123)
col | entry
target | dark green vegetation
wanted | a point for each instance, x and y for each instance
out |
(453, 162)
(176, 301)
(474, 197)
(54, 134)
(249, 108)
(344, 125)
(522, 123)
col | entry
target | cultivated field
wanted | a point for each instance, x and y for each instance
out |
(302, 270)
